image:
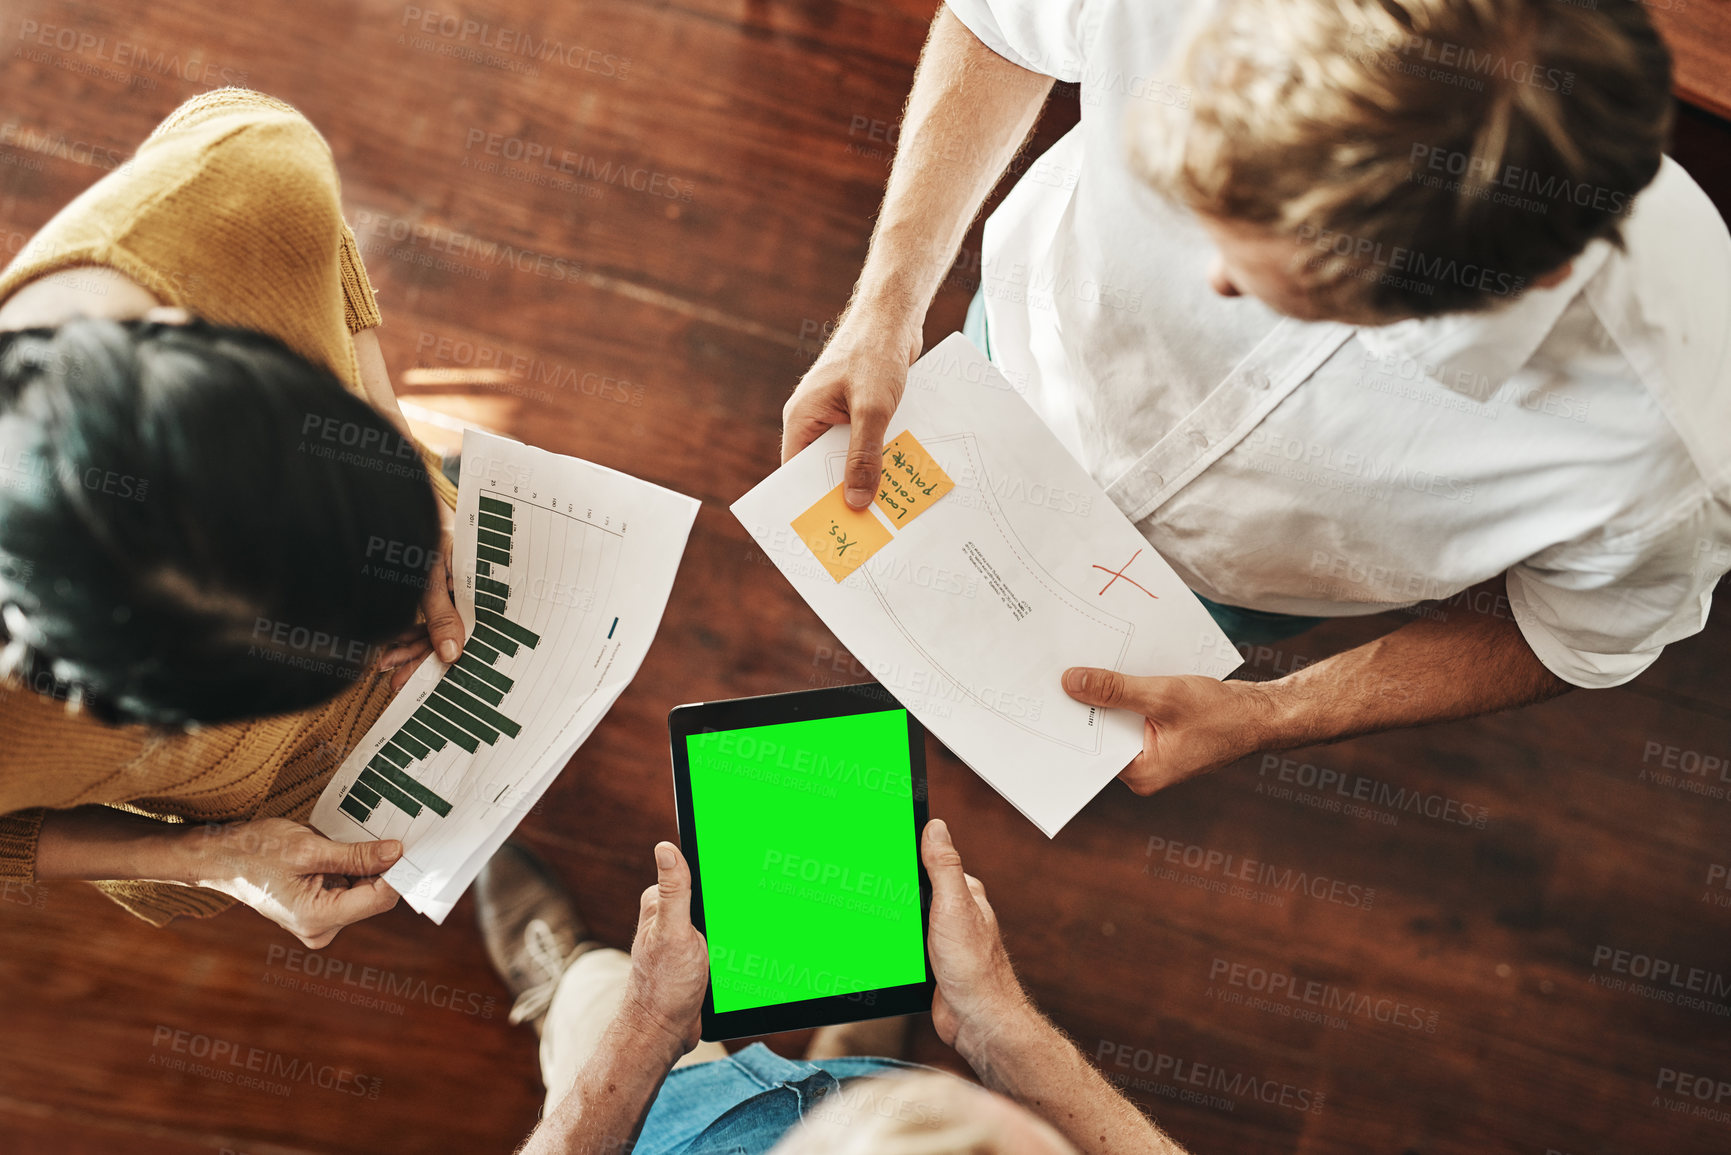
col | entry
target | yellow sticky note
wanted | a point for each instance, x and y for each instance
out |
(912, 480)
(840, 537)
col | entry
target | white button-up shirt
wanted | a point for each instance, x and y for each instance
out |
(1577, 438)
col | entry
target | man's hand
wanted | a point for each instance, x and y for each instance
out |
(444, 628)
(659, 1020)
(1191, 725)
(309, 885)
(858, 379)
(968, 113)
(978, 992)
(669, 959)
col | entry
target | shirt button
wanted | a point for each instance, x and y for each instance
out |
(1199, 439)
(1259, 379)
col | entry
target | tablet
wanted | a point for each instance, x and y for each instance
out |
(800, 815)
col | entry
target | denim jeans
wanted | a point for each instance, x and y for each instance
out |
(745, 1103)
(711, 1101)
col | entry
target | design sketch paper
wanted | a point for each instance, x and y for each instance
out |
(1016, 567)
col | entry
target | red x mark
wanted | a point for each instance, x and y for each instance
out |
(1119, 573)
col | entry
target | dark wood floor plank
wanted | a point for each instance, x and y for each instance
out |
(1699, 36)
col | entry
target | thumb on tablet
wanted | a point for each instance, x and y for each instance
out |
(943, 864)
(672, 883)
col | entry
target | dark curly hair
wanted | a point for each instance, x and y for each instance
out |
(191, 518)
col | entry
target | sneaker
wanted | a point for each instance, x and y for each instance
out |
(530, 926)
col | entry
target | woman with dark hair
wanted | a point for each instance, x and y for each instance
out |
(215, 530)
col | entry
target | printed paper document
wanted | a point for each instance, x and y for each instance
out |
(562, 570)
(989, 562)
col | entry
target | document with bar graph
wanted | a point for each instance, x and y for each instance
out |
(562, 568)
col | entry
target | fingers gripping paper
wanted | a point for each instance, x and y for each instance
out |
(990, 563)
(838, 535)
(842, 538)
(562, 569)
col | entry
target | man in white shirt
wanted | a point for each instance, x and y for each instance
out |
(1450, 354)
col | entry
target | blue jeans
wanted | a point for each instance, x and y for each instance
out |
(1244, 627)
(745, 1103)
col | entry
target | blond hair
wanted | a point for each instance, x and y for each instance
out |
(921, 1114)
(1431, 155)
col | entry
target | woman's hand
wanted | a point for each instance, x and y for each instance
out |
(444, 630)
(444, 633)
(309, 885)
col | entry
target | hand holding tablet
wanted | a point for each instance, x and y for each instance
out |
(800, 816)
(977, 988)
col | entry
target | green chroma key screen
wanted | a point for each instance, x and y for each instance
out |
(810, 870)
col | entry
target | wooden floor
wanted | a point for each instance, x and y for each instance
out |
(1480, 1001)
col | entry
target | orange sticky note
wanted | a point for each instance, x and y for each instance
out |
(912, 480)
(842, 538)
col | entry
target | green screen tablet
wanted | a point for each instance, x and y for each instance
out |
(800, 817)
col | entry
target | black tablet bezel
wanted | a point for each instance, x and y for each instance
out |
(799, 706)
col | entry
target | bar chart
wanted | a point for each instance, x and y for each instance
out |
(562, 569)
(463, 707)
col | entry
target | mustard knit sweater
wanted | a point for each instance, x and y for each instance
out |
(230, 210)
